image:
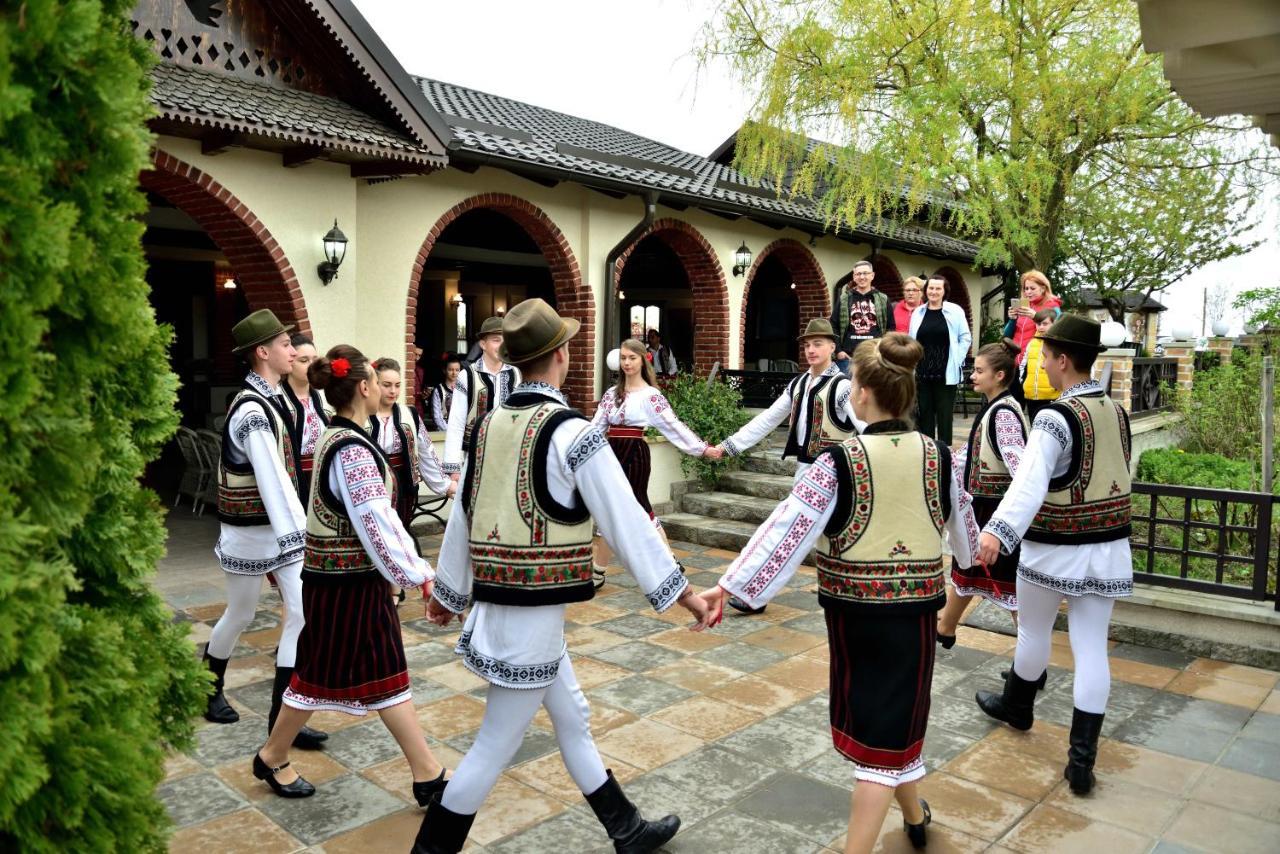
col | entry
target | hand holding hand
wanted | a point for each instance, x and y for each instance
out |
(713, 452)
(455, 476)
(427, 588)
(714, 600)
(693, 603)
(437, 613)
(988, 549)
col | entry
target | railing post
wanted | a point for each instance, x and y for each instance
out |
(1268, 420)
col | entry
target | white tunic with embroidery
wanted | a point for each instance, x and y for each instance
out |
(259, 549)
(520, 647)
(504, 379)
(1105, 569)
(782, 543)
(647, 407)
(357, 480)
(429, 467)
(312, 426)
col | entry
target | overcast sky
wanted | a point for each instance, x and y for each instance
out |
(629, 64)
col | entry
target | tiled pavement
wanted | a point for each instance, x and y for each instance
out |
(729, 730)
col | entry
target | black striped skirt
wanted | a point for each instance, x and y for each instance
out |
(406, 493)
(350, 653)
(881, 675)
(998, 583)
(632, 451)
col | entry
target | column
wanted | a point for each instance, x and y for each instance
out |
(1121, 361)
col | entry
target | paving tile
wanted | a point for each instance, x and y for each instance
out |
(198, 797)
(997, 644)
(394, 832)
(454, 675)
(814, 624)
(741, 656)
(589, 640)
(781, 614)
(251, 669)
(423, 656)
(942, 745)
(802, 600)
(568, 831)
(1190, 741)
(548, 775)
(970, 807)
(1126, 804)
(718, 776)
(1239, 792)
(994, 765)
(705, 561)
(591, 673)
(337, 807)
(705, 717)
(779, 745)
(641, 695)
(1271, 705)
(1141, 673)
(761, 695)
(361, 746)
(1256, 676)
(242, 832)
(510, 808)
(446, 718)
(393, 776)
(799, 805)
(647, 744)
(941, 839)
(1212, 829)
(800, 673)
(591, 613)
(536, 743)
(251, 699)
(1128, 763)
(639, 657)
(657, 797)
(1263, 727)
(960, 714)
(694, 674)
(312, 764)
(1253, 756)
(604, 717)
(734, 833)
(1048, 828)
(783, 640)
(218, 744)
(813, 713)
(178, 765)
(1206, 686)
(683, 640)
(634, 626)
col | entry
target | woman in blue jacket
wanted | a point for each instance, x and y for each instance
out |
(943, 332)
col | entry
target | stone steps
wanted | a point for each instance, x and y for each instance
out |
(757, 484)
(729, 506)
(707, 531)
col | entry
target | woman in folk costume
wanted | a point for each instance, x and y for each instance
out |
(521, 555)
(442, 395)
(309, 414)
(984, 468)
(481, 386)
(261, 515)
(623, 414)
(350, 655)
(400, 433)
(1069, 509)
(875, 505)
(818, 405)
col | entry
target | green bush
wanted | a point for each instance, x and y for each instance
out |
(95, 681)
(712, 411)
(1222, 412)
(1176, 466)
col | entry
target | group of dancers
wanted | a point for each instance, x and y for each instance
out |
(320, 496)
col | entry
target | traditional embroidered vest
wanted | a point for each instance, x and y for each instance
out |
(828, 423)
(881, 552)
(526, 548)
(404, 421)
(1090, 502)
(986, 477)
(484, 392)
(239, 501)
(333, 546)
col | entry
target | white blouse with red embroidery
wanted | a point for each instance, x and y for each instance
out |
(647, 407)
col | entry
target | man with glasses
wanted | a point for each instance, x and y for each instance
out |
(861, 311)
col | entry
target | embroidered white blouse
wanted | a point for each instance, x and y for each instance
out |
(1073, 570)
(357, 480)
(312, 426)
(773, 417)
(784, 540)
(259, 549)
(429, 466)
(521, 647)
(441, 406)
(1009, 441)
(505, 379)
(647, 407)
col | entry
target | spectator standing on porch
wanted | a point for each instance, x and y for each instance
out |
(664, 361)
(943, 331)
(1037, 295)
(912, 296)
(861, 313)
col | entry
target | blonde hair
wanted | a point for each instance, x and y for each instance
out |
(646, 369)
(1039, 278)
(887, 366)
(913, 280)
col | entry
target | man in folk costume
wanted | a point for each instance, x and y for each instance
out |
(1069, 508)
(263, 522)
(481, 386)
(817, 403)
(518, 547)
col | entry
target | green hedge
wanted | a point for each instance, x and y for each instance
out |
(95, 681)
(1213, 471)
(712, 411)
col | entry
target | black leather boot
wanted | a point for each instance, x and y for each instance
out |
(1015, 706)
(307, 738)
(218, 710)
(1040, 683)
(630, 833)
(1085, 729)
(442, 831)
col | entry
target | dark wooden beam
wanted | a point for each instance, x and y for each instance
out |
(732, 217)
(217, 141)
(379, 169)
(301, 154)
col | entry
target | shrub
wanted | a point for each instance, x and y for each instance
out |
(712, 411)
(95, 681)
(1175, 466)
(1222, 412)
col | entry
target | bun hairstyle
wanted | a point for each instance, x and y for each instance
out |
(1002, 356)
(887, 366)
(324, 374)
(386, 363)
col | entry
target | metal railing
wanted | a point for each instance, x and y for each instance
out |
(1210, 540)
(1153, 384)
(759, 389)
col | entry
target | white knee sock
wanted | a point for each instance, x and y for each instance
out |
(507, 714)
(571, 717)
(1037, 609)
(289, 580)
(242, 603)
(1088, 618)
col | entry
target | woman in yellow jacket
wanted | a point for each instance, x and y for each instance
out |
(1036, 390)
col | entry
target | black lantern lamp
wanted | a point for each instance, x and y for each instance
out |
(335, 249)
(741, 259)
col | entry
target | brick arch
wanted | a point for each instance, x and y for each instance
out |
(811, 287)
(258, 261)
(706, 280)
(573, 298)
(957, 290)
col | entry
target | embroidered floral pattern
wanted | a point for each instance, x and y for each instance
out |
(252, 421)
(1051, 425)
(668, 591)
(504, 673)
(861, 496)
(887, 582)
(584, 447)
(1110, 587)
(1003, 532)
(450, 598)
(778, 558)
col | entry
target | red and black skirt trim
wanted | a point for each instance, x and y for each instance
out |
(632, 451)
(997, 583)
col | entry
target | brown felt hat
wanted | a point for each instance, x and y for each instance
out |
(492, 326)
(258, 328)
(1074, 330)
(533, 329)
(819, 327)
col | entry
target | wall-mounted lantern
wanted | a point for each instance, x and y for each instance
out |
(741, 259)
(335, 249)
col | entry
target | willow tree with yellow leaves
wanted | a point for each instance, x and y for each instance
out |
(1021, 116)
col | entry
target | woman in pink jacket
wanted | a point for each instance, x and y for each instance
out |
(1037, 294)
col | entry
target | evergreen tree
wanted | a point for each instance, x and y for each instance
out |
(95, 681)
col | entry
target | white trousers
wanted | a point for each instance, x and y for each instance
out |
(507, 714)
(243, 592)
(1088, 617)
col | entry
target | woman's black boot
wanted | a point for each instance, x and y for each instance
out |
(442, 831)
(218, 710)
(916, 832)
(1040, 683)
(630, 833)
(1085, 729)
(1015, 706)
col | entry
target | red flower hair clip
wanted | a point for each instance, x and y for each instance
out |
(341, 367)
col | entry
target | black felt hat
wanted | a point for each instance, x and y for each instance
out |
(1073, 330)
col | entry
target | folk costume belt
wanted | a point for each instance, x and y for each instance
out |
(620, 432)
(307, 463)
